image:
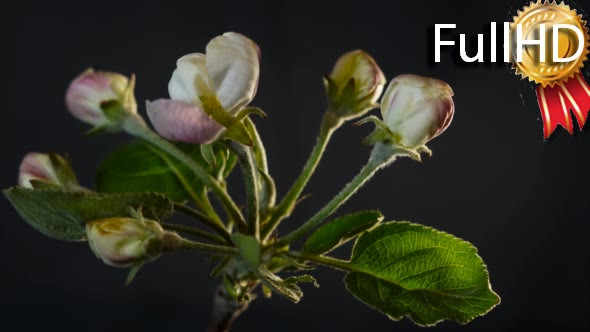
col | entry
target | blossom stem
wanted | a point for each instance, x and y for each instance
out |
(135, 126)
(220, 229)
(382, 155)
(330, 123)
(200, 199)
(249, 172)
(173, 242)
(194, 231)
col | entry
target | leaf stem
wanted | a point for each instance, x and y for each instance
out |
(195, 231)
(249, 172)
(134, 125)
(329, 124)
(204, 219)
(323, 260)
(382, 155)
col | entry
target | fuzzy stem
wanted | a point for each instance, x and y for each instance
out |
(194, 231)
(329, 124)
(204, 219)
(382, 155)
(134, 125)
(225, 311)
(249, 172)
(172, 242)
(323, 260)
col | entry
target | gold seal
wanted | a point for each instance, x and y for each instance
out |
(531, 17)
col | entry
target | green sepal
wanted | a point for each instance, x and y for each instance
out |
(250, 110)
(132, 274)
(234, 128)
(113, 110)
(63, 171)
(238, 132)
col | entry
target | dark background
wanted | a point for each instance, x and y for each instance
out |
(492, 179)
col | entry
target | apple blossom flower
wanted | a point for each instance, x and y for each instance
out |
(88, 94)
(355, 83)
(49, 169)
(417, 109)
(124, 242)
(228, 73)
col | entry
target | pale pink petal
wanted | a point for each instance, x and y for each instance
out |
(182, 121)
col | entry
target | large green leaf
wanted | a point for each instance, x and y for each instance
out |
(140, 167)
(340, 230)
(405, 269)
(62, 215)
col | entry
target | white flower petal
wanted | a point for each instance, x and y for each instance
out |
(233, 65)
(182, 84)
(182, 121)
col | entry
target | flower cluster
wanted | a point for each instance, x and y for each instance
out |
(199, 134)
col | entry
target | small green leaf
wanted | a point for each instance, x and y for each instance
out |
(208, 154)
(230, 289)
(340, 230)
(62, 215)
(139, 167)
(302, 278)
(404, 269)
(274, 282)
(248, 247)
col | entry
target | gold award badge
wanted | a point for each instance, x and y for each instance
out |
(549, 46)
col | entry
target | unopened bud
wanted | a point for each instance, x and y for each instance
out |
(101, 98)
(42, 169)
(125, 242)
(355, 84)
(417, 109)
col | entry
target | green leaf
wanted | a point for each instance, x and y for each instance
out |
(340, 230)
(62, 215)
(404, 269)
(289, 290)
(140, 167)
(208, 154)
(302, 278)
(248, 247)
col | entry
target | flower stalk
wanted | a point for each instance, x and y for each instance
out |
(135, 126)
(330, 124)
(382, 155)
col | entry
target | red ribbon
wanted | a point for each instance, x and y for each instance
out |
(556, 102)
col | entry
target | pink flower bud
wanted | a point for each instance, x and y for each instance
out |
(417, 109)
(125, 242)
(37, 166)
(358, 82)
(88, 92)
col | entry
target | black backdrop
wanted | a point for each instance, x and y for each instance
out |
(492, 180)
